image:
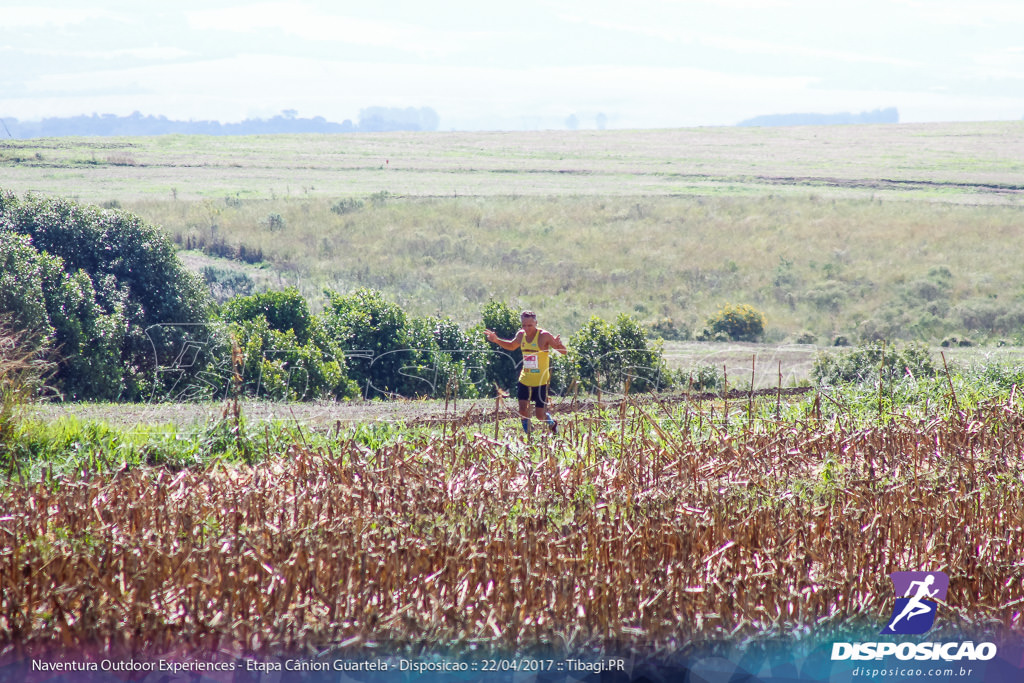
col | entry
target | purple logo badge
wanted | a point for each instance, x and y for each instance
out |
(916, 596)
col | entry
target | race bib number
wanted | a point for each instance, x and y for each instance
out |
(531, 362)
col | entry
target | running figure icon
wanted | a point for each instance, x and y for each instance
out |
(917, 593)
(914, 606)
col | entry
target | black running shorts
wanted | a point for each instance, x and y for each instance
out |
(537, 394)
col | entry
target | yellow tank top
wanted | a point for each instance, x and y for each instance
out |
(536, 365)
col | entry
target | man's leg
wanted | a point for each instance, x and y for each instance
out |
(543, 414)
(542, 408)
(525, 395)
(524, 413)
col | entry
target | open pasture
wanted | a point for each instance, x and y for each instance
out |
(971, 162)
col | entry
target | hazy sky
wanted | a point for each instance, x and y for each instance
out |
(513, 65)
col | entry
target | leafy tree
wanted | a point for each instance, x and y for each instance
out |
(287, 353)
(58, 310)
(284, 310)
(115, 296)
(734, 323)
(455, 361)
(502, 367)
(374, 334)
(110, 242)
(88, 337)
(21, 282)
(606, 356)
(276, 365)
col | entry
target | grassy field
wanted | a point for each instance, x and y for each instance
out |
(971, 162)
(905, 231)
(854, 267)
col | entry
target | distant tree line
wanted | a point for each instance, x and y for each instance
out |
(890, 115)
(371, 119)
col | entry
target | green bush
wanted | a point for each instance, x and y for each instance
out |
(605, 356)
(445, 360)
(287, 353)
(667, 329)
(275, 222)
(344, 206)
(827, 296)
(735, 323)
(991, 316)
(106, 289)
(706, 377)
(277, 365)
(390, 354)
(501, 366)
(22, 269)
(869, 362)
(59, 310)
(374, 333)
(283, 310)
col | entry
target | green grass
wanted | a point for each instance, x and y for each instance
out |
(968, 156)
(832, 266)
(669, 223)
(68, 445)
(46, 446)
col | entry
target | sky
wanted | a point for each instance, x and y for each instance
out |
(528, 64)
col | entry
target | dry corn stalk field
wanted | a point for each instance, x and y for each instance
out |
(634, 535)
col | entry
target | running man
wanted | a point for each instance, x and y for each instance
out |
(535, 378)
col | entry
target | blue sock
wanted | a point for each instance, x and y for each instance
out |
(526, 425)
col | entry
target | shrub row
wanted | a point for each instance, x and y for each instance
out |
(367, 345)
(107, 293)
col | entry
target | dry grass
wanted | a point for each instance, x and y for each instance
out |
(676, 257)
(638, 538)
(24, 368)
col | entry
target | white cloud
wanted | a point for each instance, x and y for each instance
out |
(307, 23)
(803, 51)
(662, 62)
(24, 16)
(1006, 63)
(743, 4)
(680, 33)
(154, 53)
(959, 14)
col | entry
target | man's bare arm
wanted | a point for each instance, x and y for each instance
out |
(554, 341)
(507, 344)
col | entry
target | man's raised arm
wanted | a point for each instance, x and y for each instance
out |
(554, 341)
(507, 344)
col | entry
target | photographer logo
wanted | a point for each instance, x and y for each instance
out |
(917, 594)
